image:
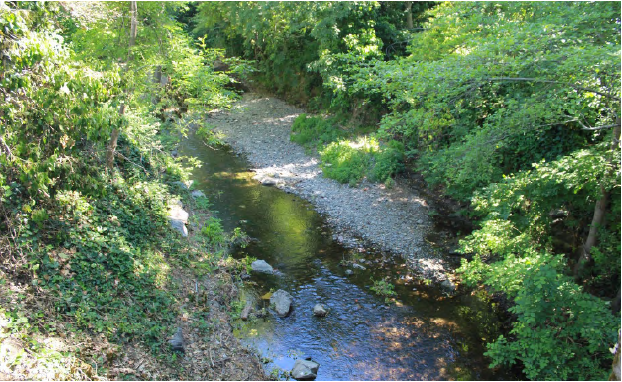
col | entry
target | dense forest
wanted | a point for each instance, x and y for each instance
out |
(511, 110)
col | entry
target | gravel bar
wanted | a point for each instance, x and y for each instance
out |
(394, 220)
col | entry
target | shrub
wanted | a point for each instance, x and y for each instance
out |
(313, 131)
(349, 162)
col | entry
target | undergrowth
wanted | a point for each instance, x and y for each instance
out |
(344, 159)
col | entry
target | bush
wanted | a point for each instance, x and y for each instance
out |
(213, 231)
(345, 163)
(349, 162)
(314, 131)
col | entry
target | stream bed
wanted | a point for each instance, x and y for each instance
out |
(422, 334)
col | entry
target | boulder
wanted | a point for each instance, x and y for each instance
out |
(245, 312)
(197, 194)
(282, 302)
(184, 185)
(177, 342)
(319, 310)
(261, 266)
(178, 217)
(305, 370)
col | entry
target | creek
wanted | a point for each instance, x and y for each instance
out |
(421, 335)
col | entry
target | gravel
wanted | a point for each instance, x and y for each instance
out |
(394, 220)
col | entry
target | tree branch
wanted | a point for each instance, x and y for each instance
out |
(589, 128)
(577, 87)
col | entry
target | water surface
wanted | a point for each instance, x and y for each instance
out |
(421, 335)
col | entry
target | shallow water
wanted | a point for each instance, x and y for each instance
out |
(422, 335)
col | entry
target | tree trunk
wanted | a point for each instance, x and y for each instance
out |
(599, 212)
(615, 304)
(597, 220)
(409, 15)
(133, 24)
(615, 367)
(112, 143)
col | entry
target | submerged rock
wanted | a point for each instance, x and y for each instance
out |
(305, 370)
(319, 310)
(261, 266)
(282, 302)
(177, 342)
(358, 266)
(448, 286)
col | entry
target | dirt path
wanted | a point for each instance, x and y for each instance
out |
(395, 220)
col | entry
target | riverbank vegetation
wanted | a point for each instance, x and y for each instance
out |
(94, 98)
(511, 109)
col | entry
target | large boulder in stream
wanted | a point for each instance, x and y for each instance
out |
(261, 266)
(305, 370)
(282, 302)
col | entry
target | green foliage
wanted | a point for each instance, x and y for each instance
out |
(314, 131)
(345, 162)
(383, 288)
(560, 331)
(510, 94)
(209, 136)
(292, 41)
(92, 243)
(212, 229)
(348, 162)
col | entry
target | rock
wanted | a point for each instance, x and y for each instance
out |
(182, 185)
(197, 194)
(282, 302)
(319, 310)
(177, 342)
(448, 286)
(261, 266)
(358, 266)
(249, 305)
(178, 217)
(349, 272)
(420, 221)
(268, 182)
(174, 154)
(246, 311)
(305, 370)
(179, 226)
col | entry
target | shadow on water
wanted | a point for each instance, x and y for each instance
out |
(421, 336)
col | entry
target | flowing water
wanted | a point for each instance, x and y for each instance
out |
(422, 335)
